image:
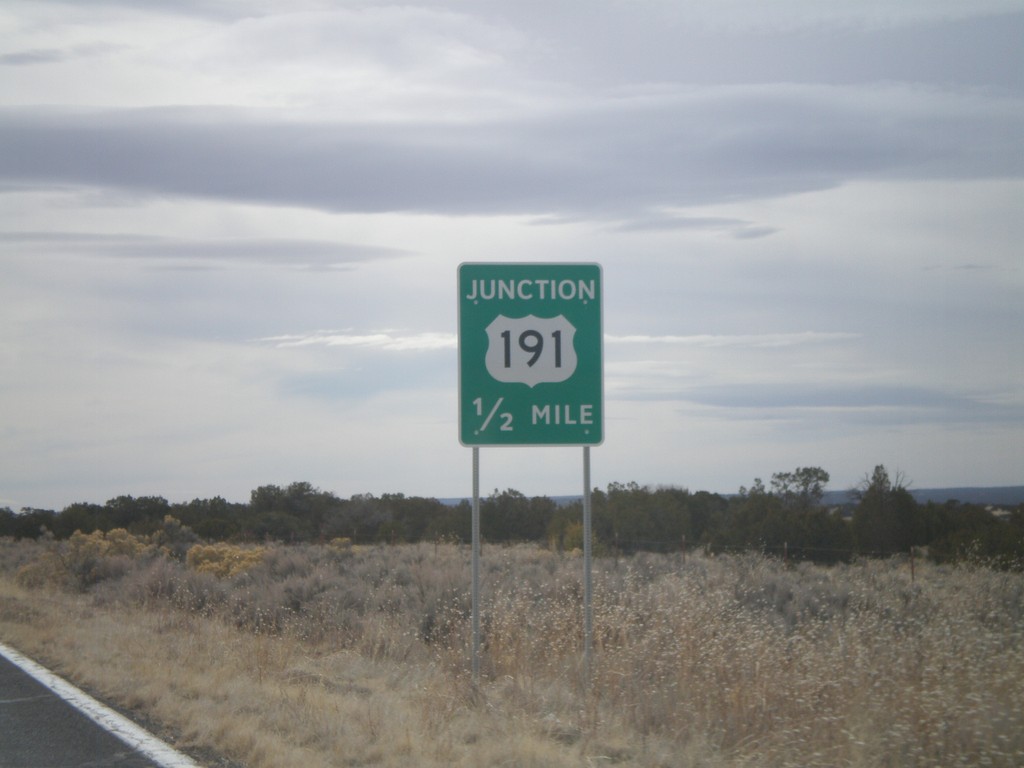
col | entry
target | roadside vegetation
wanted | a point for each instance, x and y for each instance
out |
(342, 654)
(762, 629)
(785, 518)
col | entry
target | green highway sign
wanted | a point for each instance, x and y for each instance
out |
(530, 354)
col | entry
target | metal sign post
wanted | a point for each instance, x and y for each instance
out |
(531, 372)
(588, 613)
(476, 564)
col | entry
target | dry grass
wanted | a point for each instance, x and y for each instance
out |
(351, 656)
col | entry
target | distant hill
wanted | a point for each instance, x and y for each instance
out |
(453, 501)
(1000, 496)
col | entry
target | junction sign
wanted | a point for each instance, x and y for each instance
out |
(530, 354)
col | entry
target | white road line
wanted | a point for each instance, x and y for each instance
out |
(137, 738)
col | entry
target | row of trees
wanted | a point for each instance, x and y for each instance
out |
(785, 517)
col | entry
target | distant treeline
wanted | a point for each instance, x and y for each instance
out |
(788, 519)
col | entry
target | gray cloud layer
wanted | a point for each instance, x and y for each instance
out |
(616, 158)
(207, 253)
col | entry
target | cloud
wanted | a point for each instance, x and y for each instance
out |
(834, 43)
(402, 341)
(411, 39)
(737, 228)
(314, 254)
(388, 340)
(757, 340)
(34, 56)
(801, 396)
(877, 404)
(621, 156)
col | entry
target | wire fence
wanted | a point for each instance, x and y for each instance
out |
(783, 551)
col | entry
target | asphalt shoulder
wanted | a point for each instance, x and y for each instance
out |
(45, 722)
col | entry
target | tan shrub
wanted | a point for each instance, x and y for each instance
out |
(41, 572)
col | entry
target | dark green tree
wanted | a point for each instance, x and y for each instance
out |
(142, 515)
(753, 520)
(451, 523)
(510, 516)
(298, 512)
(787, 520)
(629, 517)
(80, 516)
(27, 524)
(360, 518)
(886, 520)
(802, 489)
(705, 508)
(213, 519)
(971, 533)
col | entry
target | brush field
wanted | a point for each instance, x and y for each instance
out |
(345, 656)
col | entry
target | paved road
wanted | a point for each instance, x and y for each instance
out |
(38, 729)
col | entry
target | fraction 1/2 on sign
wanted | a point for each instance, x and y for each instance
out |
(505, 419)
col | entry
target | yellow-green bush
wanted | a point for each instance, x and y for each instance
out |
(85, 546)
(223, 560)
(85, 559)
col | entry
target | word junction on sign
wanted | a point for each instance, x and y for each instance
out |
(527, 290)
(530, 354)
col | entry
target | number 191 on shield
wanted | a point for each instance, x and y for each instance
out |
(531, 350)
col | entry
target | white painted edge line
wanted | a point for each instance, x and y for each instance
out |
(131, 734)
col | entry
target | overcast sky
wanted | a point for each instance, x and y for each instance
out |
(229, 236)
